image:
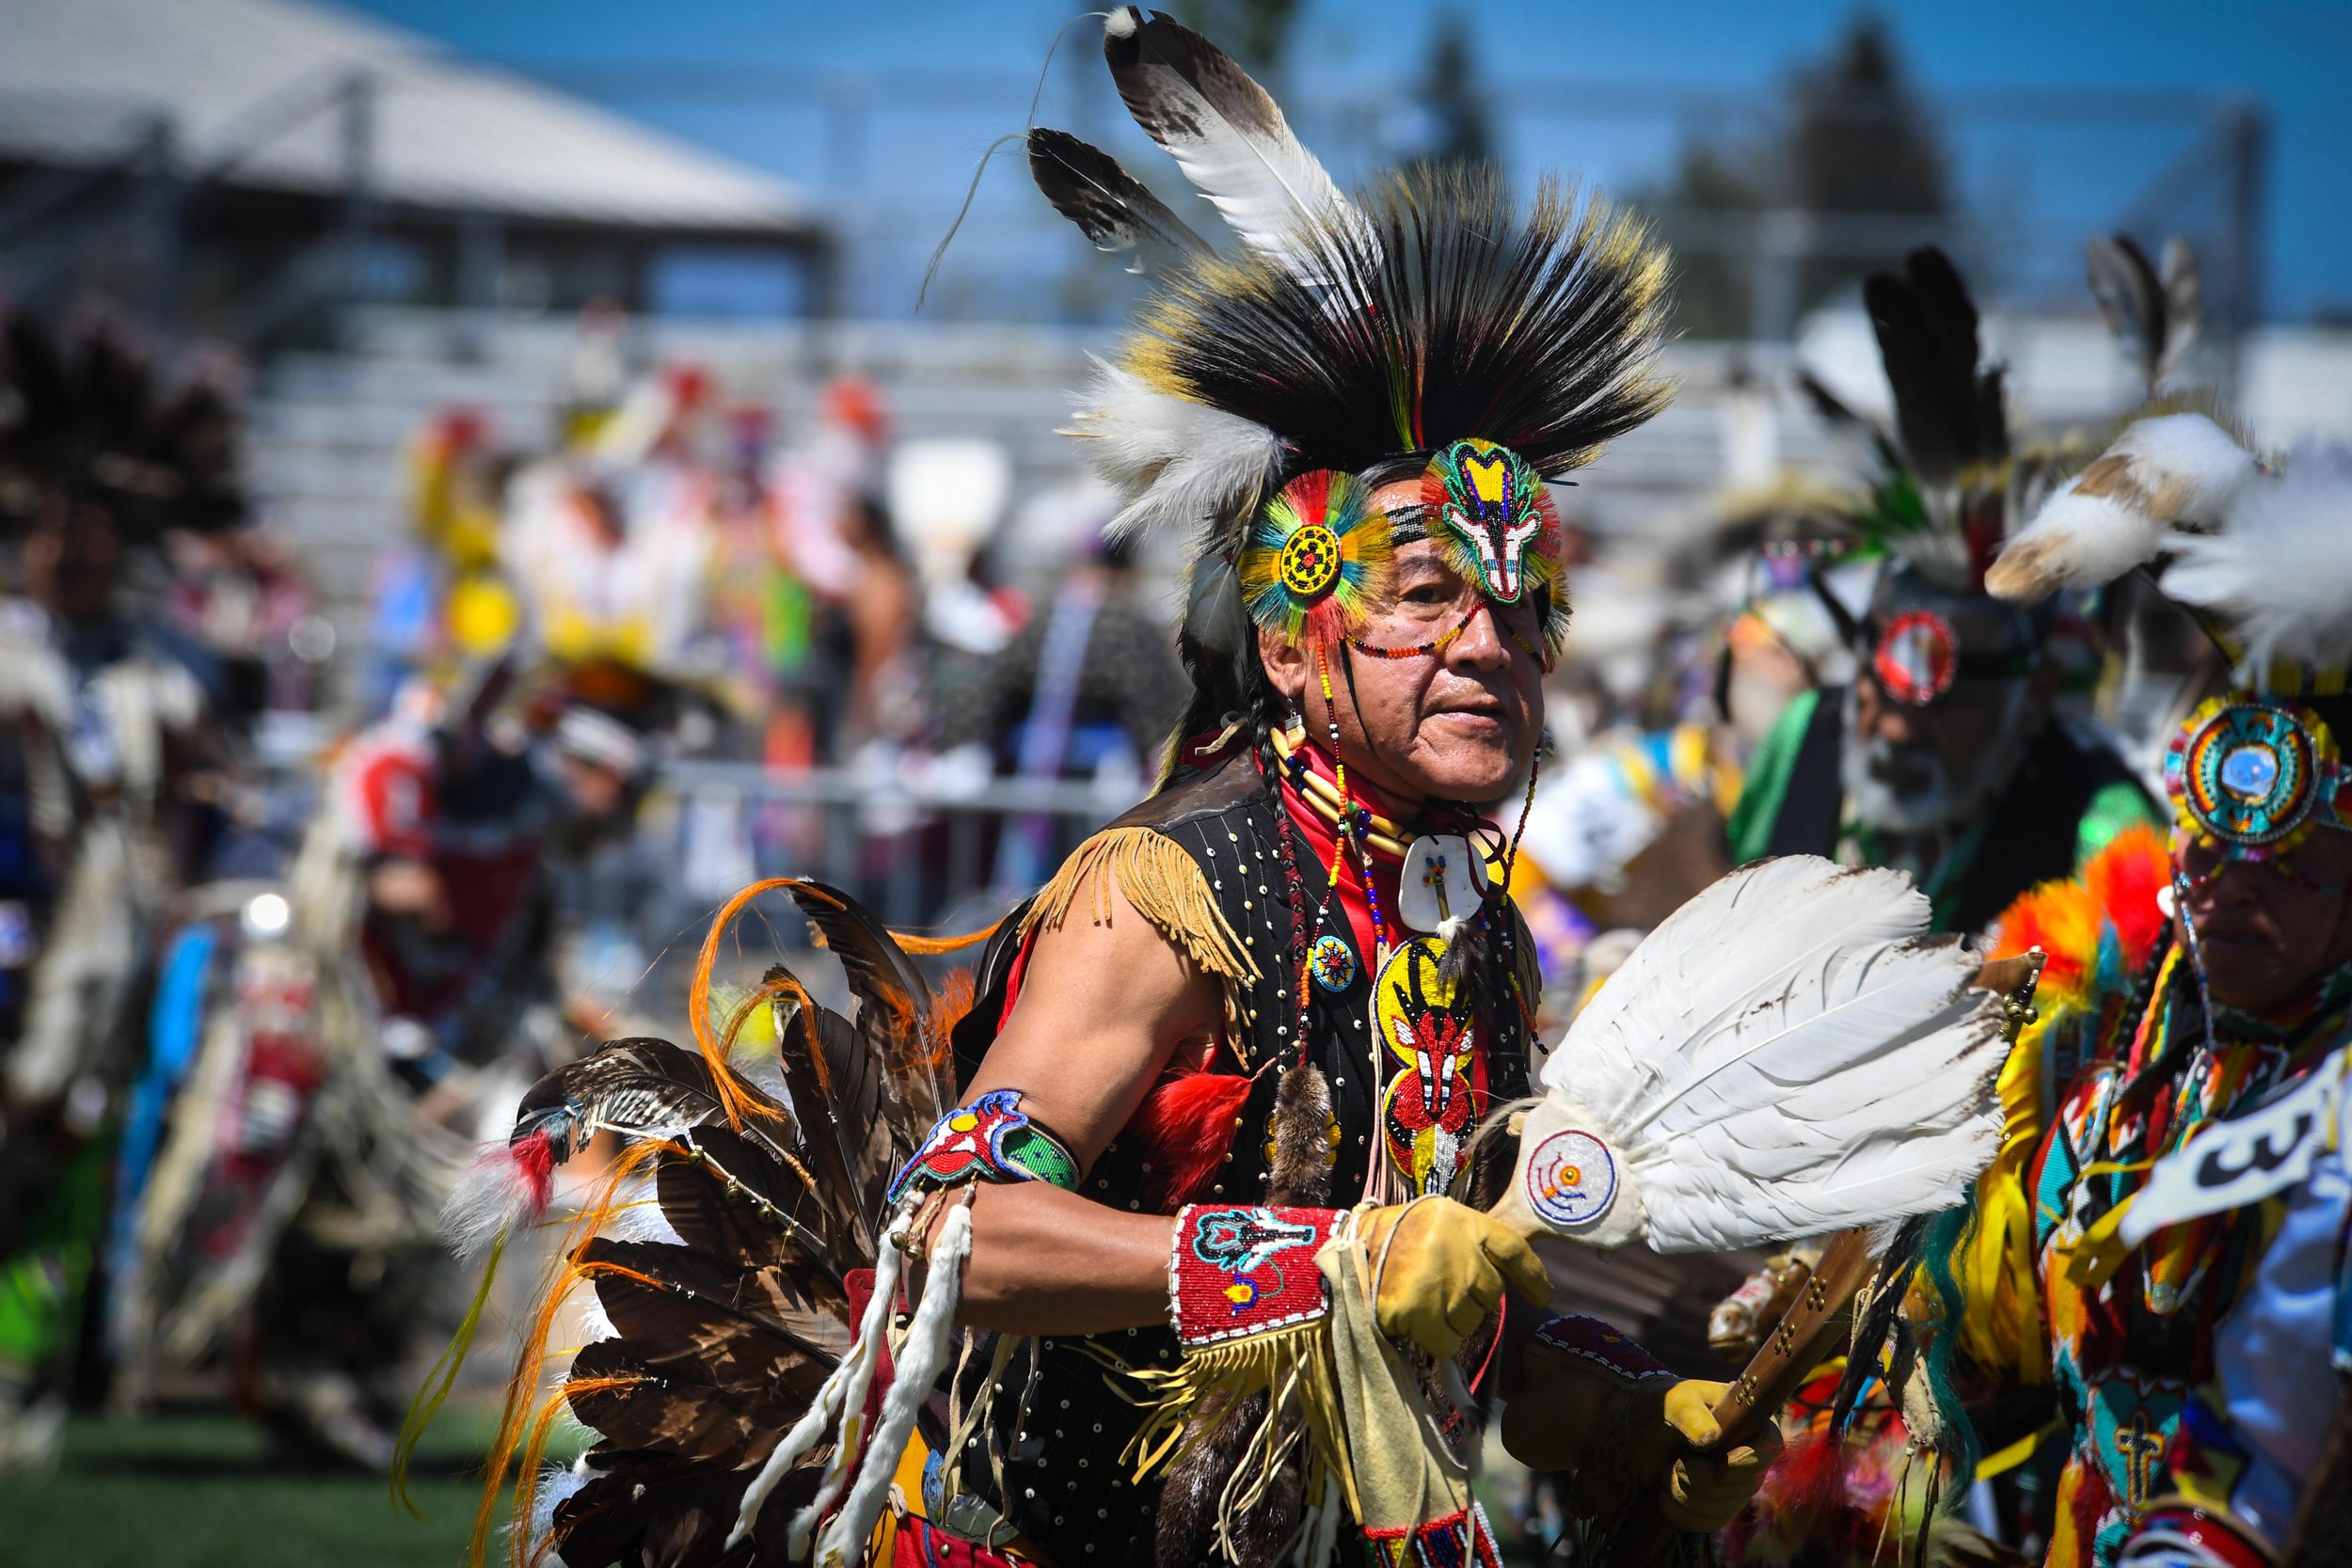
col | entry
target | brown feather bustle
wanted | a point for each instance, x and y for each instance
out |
(721, 1335)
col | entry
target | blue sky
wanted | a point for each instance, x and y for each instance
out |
(778, 60)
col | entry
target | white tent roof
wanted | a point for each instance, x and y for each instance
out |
(74, 74)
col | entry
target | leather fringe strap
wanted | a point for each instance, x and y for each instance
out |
(1251, 1313)
(1293, 1368)
(1165, 886)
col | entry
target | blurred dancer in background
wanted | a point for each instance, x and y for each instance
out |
(1944, 757)
(2201, 1001)
(338, 1043)
(103, 735)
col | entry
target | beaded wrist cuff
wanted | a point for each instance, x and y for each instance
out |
(1237, 1271)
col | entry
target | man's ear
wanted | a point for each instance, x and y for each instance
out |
(1285, 664)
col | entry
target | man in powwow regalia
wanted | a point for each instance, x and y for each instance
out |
(2181, 1081)
(1944, 756)
(1173, 1242)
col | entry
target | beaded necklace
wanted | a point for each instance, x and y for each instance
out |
(1303, 936)
(1325, 797)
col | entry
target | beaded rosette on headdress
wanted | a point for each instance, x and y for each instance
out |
(2252, 776)
(1317, 559)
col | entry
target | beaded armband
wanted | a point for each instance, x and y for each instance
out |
(1591, 1345)
(1236, 1271)
(989, 1140)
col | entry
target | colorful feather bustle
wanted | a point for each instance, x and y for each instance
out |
(2096, 932)
(1317, 559)
(2075, 922)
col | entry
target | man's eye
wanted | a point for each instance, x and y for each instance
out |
(1428, 592)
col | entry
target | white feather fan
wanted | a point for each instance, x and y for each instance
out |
(1181, 462)
(1788, 1054)
(2279, 568)
(2112, 516)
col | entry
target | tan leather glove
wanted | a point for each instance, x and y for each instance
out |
(1441, 1267)
(1670, 1424)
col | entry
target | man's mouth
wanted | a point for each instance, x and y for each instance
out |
(1906, 776)
(1474, 715)
(2233, 932)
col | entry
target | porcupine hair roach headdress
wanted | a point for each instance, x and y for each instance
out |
(1356, 335)
(88, 420)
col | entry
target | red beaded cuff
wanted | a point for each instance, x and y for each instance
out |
(1237, 1270)
(1590, 1342)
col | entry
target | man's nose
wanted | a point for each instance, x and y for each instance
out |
(2215, 877)
(1894, 722)
(1481, 645)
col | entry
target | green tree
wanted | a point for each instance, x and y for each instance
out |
(1850, 152)
(1860, 146)
(1460, 129)
(1257, 33)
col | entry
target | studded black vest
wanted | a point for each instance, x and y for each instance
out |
(1061, 1419)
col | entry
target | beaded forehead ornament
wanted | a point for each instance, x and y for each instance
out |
(2253, 776)
(1496, 517)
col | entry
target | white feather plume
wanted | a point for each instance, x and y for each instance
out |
(1787, 1054)
(1224, 131)
(2279, 568)
(1176, 461)
(2112, 516)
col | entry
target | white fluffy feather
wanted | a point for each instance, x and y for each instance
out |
(497, 1192)
(637, 1216)
(2178, 466)
(1224, 131)
(1784, 1056)
(558, 1484)
(2280, 569)
(2075, 541)
(1176, 461)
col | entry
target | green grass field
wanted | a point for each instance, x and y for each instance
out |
(206, 1492)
